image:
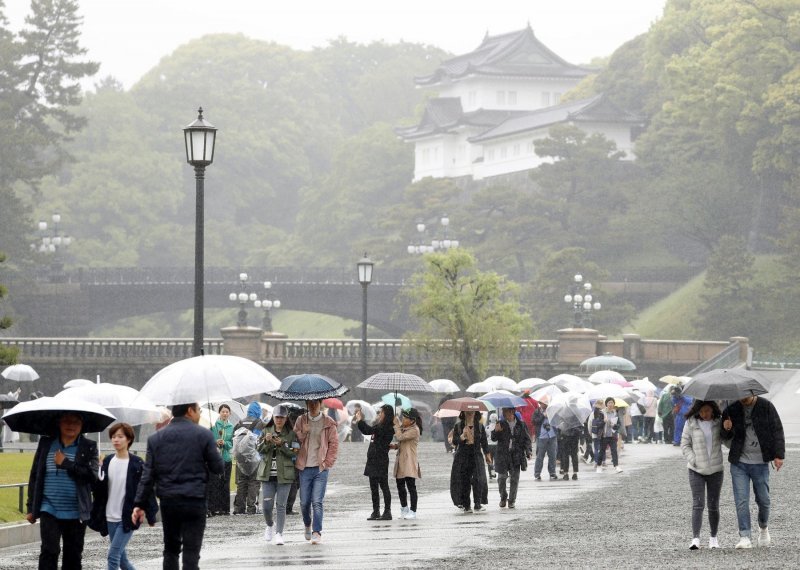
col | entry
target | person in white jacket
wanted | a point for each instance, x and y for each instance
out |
(701, 445)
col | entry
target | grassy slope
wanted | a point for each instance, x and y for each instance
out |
(14, 468)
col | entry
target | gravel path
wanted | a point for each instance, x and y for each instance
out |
(640, 518)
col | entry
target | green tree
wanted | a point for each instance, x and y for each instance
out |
(478, 313)
(8, 355)
(732, 304)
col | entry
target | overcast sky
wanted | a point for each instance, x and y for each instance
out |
(129, 37)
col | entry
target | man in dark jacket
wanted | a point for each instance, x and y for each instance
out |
(60, 491)
(513, 451)
(179, 458)
(756, 437)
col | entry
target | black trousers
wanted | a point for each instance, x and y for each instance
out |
(569, 450)
(293, 491)
(219, 491)
(53, 531)
(411, 483)
(184, 522)
(380, 483)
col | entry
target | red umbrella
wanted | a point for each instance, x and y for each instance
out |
(464, 405)
(333, 403)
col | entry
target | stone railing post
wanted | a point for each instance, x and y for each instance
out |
(632, 346)
(242, 341)
(576, 345)
(744, 348)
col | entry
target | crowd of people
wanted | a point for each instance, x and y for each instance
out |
(188, 467)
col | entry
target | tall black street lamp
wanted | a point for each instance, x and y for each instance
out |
(199, 138)
(582, 302)
(267, 304)
(364, 266)
(242, 297)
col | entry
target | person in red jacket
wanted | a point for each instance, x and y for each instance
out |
(528, 411)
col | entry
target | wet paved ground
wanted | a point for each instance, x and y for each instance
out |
(637, 519)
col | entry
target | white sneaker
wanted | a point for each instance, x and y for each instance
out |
(619, 469)
(268, 534)
(744, 542)
(410, 515)
(695, 544)
(307, 533)
(763, 537)
(403, 512)
(316, 538)
(599, 469)
(713, 542)
(279, 539)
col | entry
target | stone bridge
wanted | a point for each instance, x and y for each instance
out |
(73, 303)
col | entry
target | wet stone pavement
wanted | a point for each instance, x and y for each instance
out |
(636, 519)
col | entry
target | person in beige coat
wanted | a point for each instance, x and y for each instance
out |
(701, 445)
(407, 432)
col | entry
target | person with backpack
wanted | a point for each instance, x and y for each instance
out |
(219, 486)
(278, 449)
(377, 467)
(245, 434)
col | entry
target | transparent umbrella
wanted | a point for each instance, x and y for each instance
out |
(124, 402)
(568, 410)
(19, 373)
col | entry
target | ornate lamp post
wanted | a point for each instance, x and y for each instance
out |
(582, 302)
(242, 297)
(199, 137)
(52, 241)
(438, 243)
(364, 266)
(267, 304)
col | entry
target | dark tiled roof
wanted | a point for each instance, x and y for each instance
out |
(444, 114)
(594, 109)
(517, 54)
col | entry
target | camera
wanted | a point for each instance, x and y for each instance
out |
(546, 426)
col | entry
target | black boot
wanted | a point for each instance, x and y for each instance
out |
(375, 516)
(387, 515)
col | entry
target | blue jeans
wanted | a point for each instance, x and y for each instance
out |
(544, 446)
(312, 492)
(117, 558)
(741, 476)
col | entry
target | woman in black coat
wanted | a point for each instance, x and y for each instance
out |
(469, 470)
(377, 467)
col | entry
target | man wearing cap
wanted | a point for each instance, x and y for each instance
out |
(179, 459)
(319, 447)
(59, 491)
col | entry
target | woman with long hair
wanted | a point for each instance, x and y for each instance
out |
(701, 445)
(469, 471)
(377, 467)
(407, 432)
(278, 448)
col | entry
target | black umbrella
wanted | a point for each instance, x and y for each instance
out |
(726, 384)
(41, 416)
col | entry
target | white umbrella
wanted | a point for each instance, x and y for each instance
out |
(501, 383)
(571, 383)
(238, 410)
(602, 391)
(123, 402)
(19, 373)
(546, 393)
(208, 378)
(479, 388)
(530, 383)
(366, 409)
(444, 386)
(568, 410)
(644, 385)
(605, 376)
(78, 382)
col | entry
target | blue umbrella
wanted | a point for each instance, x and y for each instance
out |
(392, 397)
(503, 399)
(308, 387)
